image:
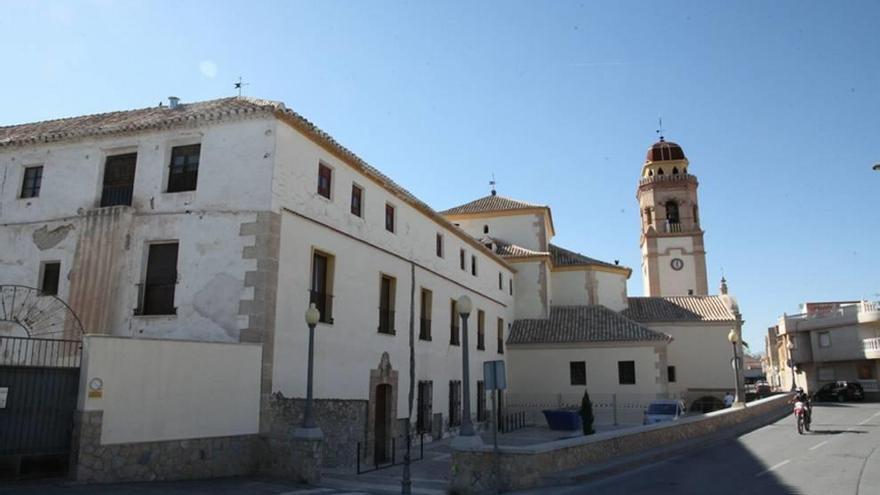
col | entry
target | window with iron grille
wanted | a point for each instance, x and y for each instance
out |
(183, 172)
(577, 371)
(626, 372)
(49, 279)
(320, 291)
(357, 200)
(481, 401)
(454, 402)
(31, 182)
(325, 175)
(389, 218)
(424, 411)
(425, 318)
(157, 290)
(386, 304)
(453, 323)
(119, 173)
(500, 336)
(481, 330)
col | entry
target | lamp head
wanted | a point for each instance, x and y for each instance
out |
(464, 305)
(732, 336)
(312, 315)
(790, 345)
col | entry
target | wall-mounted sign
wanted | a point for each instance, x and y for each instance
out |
(96, 388)
(4, 393)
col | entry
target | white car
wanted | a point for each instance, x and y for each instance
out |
(659, 411)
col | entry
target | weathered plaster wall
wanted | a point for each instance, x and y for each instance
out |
(157, 390)
(531, 289)
(529, 230)
(700, 353)
(589, 286)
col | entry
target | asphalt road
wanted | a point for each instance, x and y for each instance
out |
(840, 456)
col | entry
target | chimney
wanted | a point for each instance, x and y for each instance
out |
(173, 102)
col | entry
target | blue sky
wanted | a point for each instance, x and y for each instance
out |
(776, 104)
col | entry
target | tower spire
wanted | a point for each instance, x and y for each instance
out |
(660, 128)
(492, 185)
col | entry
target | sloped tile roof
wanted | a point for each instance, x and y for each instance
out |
(564, 257)
(582, 324)
(200, 113)
(489, 203)
(506, 249)
(678, 308)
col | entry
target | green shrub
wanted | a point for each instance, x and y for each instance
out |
(586, 413)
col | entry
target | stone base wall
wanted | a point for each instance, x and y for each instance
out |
(525, 467)
(164, 460)
(292, 458)
(343, 423)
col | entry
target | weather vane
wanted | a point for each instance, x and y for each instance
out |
(492, 184)
(660, 128)
(240, 84)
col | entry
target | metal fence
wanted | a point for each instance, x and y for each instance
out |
(608, 409)
(49, 353)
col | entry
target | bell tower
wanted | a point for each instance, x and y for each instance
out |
(673, 256)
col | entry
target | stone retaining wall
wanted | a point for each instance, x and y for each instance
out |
(524, 467)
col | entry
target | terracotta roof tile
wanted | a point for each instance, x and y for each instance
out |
(493, 202)
(506, 249)
(678, 308)
(582, 324)
(564, 257)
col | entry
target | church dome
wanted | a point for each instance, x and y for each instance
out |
(663, 150)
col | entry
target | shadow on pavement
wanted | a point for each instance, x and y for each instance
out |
(833, 432)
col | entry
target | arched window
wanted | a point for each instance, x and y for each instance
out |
(672, 212)
(696, 218)
(650, 173)
(649, 218)
(659, 171)
(674, 170)
(485, 229)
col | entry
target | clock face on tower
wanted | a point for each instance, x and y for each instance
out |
(676, 264)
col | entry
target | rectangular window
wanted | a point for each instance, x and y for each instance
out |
(500, 281)
(426, 301)
(386, 304)
(425, 407)
(461, 259)
(325, 177)
(481, 330)
(320, 291)
(453, 323)
(481, 401)
(577, 371)
(157, 291)
(49, 278)
(118, 180)
(183, 172)
(626, 372)
(439, 245)
(510, 286)
(30, 184)
(473, 265)
(454, 402)
(357, 200)
(500, 336)
(670, 374)
(389, 218)
(824, 339)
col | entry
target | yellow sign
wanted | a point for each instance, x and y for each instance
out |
(96, 394)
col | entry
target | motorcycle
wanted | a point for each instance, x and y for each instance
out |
(803, 417)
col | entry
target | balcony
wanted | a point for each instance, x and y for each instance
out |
(869, 312)
(872, 348)
(670, 178)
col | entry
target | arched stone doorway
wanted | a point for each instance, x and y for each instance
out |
(707, 403)
(381, 425)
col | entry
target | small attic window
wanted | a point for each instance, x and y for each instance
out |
(485, 229)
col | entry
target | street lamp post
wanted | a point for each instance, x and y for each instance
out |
(308, 424)
(466, 436)
(790, 347)
(738, 397)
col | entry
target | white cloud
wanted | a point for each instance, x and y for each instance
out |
(208, 68)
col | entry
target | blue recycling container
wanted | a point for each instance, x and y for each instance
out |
(563, 419)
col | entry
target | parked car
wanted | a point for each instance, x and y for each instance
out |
(762, 389)
(660, 411)
(840, 391)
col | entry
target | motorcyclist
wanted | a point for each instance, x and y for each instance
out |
(801, 396)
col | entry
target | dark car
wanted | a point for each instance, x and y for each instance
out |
(840, 392)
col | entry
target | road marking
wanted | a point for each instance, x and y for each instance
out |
(814, 447)
(771, 468)
(870, 418)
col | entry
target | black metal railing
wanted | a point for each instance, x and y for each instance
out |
(425, 328)
(375, 465)
(156, 299)
(46, 353)
(324, 303)
(386, 320)
(512, 422)
(117, 195)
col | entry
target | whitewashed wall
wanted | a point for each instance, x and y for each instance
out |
(587, 286)
(700, 353)
(532, 299)
(675, 282)
(530, 230)
(545, 369)
(156, 390)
